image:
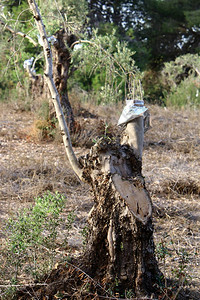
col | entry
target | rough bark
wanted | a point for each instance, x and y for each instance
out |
(120, 245)
(39, 91)
(61, 66)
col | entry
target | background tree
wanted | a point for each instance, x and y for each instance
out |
(157, 31)
(172, 28)
(18, 18)
(181, 80)
(165, 29)
(58, 16)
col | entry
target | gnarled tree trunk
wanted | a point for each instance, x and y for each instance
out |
(61, 66)
(120, 243)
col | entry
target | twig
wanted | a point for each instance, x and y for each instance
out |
(23, 286)
(88, 276)
(13, 54)
(111, 298)
(14, 32)
(99, 46)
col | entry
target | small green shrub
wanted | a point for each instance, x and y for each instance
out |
(175, 276)
(85, 233)
(180, 79)
(186, 94)
(32, 238)
(45, 129)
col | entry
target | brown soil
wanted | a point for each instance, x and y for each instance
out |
(171, 164)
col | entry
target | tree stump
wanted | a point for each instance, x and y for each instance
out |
(120, 245)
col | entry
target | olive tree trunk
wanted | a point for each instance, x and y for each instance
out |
(61, 67)
(120, 247)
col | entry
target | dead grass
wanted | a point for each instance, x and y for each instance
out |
(171, 164)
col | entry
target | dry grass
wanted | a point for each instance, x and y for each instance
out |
(171, 164)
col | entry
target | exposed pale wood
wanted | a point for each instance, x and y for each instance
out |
(31, 74)
(136, 198)
(120, 239)
(134, 135)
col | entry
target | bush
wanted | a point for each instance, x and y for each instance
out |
(181, 81)
(32, 238)
(106, 67)
(153, 87)
(187, 93)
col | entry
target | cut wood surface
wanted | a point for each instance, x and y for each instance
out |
(120, 240)
(136, 198)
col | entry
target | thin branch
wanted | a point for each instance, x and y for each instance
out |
(22, 286)
(198, 72)
(99, 46)
(31, 73)
(24, 35)
(89, 277)
(53, 90)
(39, 56)
(56, 3)
(13, 54)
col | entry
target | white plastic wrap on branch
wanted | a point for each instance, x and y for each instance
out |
(28, 62)
(50, 39)
(132, 110)
(133, 116)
